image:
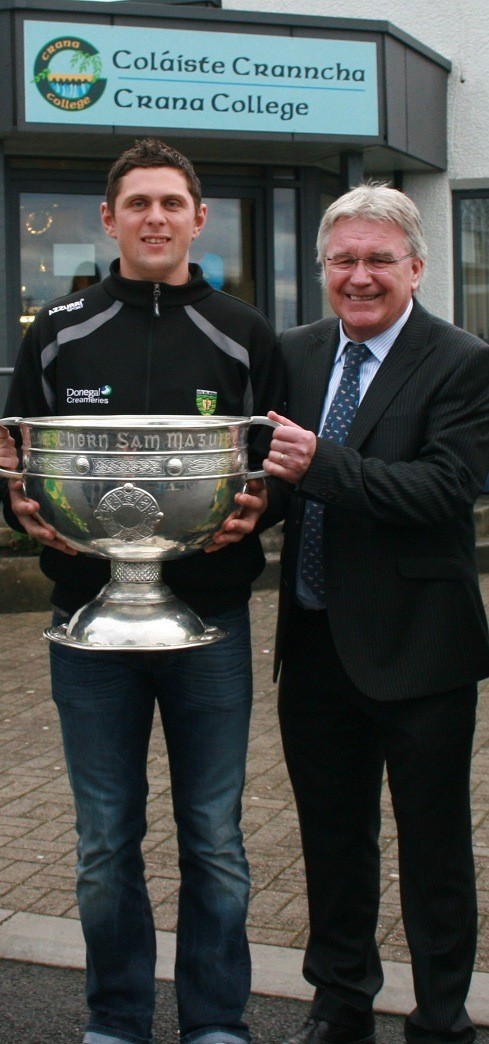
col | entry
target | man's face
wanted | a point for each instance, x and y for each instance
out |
(154, 222)
(370, 303)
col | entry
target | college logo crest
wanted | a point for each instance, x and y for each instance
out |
(67, 72)
(206, 402)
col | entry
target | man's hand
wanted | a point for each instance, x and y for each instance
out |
(8, 452)
(291, 450)
(26, 510)
(27, 513)
(243, 521)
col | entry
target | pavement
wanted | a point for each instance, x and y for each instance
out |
(41, 1021)
(41, 947)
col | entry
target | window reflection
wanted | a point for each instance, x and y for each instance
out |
(326, 200)
(63, 247)
(475, 265)
(285, 250)
(224, 248)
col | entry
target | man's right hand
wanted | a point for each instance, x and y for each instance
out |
(27, 513)
(291, 450)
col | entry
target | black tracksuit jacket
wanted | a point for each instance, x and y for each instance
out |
(134, 347)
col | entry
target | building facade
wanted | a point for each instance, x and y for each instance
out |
(454, 202)
(282, 106)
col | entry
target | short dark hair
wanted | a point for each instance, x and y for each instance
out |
(150, 152)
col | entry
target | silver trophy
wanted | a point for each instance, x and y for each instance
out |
(137, 490)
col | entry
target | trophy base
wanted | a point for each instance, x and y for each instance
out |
(134, 617)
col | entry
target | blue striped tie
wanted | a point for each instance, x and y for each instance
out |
(336, 427)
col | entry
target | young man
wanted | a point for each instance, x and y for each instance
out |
(382, 633)
(157, 333)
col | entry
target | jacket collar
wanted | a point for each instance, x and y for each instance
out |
(140, 293)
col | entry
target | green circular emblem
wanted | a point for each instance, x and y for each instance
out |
(67, 72)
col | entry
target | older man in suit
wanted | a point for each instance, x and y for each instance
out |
(382, 634)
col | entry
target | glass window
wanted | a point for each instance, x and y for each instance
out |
(285, 252)
(63, 247)
(224, 249)
(472, 263)
(326, 199)
(471, 226)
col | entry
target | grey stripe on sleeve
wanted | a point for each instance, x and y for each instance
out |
(47, 355)
(227, 345)
(74, 333)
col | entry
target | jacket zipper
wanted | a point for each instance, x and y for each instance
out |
(156, 295)
(156, 315)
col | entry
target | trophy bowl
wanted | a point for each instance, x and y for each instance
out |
(136, 490)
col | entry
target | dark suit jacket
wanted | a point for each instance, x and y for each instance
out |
(403, 598)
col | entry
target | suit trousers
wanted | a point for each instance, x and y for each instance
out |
(337, 743)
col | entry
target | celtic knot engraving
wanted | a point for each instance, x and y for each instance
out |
(130, 467)
(128, 513)
(208, 465)
(51, 464)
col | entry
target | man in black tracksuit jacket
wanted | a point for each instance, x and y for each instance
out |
(151, 338)
(108, 336)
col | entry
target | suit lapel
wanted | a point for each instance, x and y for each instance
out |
(407, 353)
(316, 361)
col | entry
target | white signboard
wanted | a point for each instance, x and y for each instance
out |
(84, 74)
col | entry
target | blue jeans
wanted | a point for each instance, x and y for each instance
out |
(106, 703)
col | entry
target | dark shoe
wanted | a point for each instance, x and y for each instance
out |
(316, 1031)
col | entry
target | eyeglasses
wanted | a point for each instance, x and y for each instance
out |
(344, 262)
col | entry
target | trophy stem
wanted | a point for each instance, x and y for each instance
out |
(135, 611)
(135, 572)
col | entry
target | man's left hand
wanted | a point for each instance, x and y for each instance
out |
(239, 523)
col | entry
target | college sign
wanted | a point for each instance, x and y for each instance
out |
(82, 74)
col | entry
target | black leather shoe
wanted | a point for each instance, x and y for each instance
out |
(316, 1031)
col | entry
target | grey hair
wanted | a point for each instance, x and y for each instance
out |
(375, 201)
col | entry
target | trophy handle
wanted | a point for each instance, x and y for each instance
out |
(4, 473)
(269, 424)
